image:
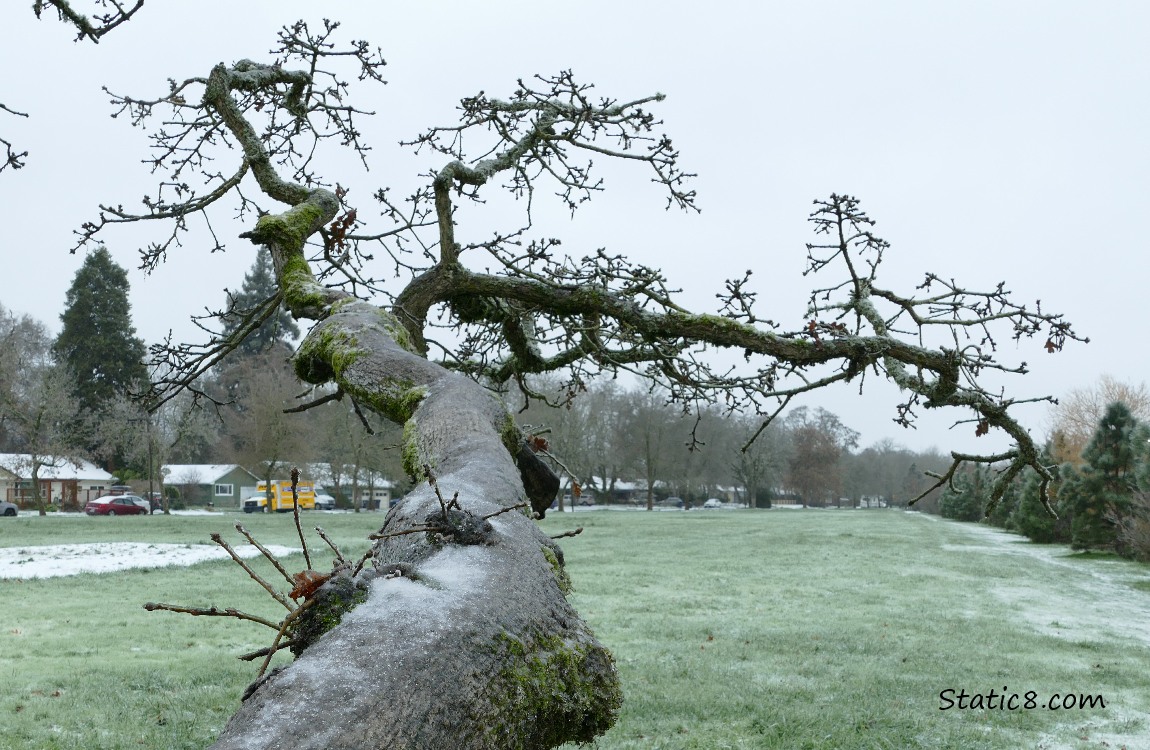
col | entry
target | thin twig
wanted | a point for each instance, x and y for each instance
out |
(338, 395)
(323, 535)
(412, 530)
(576, 532)
(362, 419)
(266, 553)
(443, 504)
(210, 612)
(283, 628)
(295, 513)
(766, 423)
(252, 656)
(254, 575)
(359, 566)
(504, 510)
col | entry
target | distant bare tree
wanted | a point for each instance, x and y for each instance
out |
(263, 438)
(818, 440)
(465, 637)
(759, 464)
(36, 401)
(1075, 417)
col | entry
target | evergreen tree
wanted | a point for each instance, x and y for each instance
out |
(1105, 486)
(259, 286)
(1002, 513)
(97, 345)
(965, 498)
(1030, 517)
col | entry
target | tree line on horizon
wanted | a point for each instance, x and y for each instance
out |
(79, 394)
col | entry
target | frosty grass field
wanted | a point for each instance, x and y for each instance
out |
(732, 629)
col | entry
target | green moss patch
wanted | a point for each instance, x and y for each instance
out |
(552, 692)
(333, 600)
(558, 569)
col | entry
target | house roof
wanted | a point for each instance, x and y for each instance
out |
(321, 474)
(199, 473)
(20, 465)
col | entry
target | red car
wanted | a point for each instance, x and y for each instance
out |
(117, 505)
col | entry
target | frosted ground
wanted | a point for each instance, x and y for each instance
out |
(967, 599)
(1079, 602)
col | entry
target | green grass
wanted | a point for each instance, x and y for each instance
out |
(776, 629)
(84, 666)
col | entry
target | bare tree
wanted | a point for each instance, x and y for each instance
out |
(759, 465)
(1075, 417)
(264, 438)
(650, 428)
(818, 440)
(36, 399)
(463, 636)
(588, 434)
(352, 451)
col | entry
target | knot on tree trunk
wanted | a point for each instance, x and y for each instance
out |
(458, 527)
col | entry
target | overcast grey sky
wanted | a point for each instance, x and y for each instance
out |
(992, 141)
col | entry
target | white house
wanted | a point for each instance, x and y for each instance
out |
(66, 481)
(367, 488)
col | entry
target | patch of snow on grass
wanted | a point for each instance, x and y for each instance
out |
(1086, 600)
(54, 560)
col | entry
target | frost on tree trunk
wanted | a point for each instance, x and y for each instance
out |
(459, 640)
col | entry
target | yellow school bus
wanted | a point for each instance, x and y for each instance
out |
(279, 499)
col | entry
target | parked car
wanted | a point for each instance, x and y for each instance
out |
(7, 508)
(118, 505)
(713, 502)
(324, 502)
(671, 502)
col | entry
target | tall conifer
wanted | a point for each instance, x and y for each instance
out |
(1106, 484)
(259, 286)
(97, 345)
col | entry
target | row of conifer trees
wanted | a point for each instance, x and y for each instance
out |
(1102, 501)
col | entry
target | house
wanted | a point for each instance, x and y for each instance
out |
(221, 485)
(69, 482)
(369, 489)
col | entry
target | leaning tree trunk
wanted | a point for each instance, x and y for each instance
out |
(460, 637)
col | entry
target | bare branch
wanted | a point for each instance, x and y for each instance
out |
(338, 555)
(326, 398)
(266, 553)
(279, 597)
(211, 612)
(86, 29)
